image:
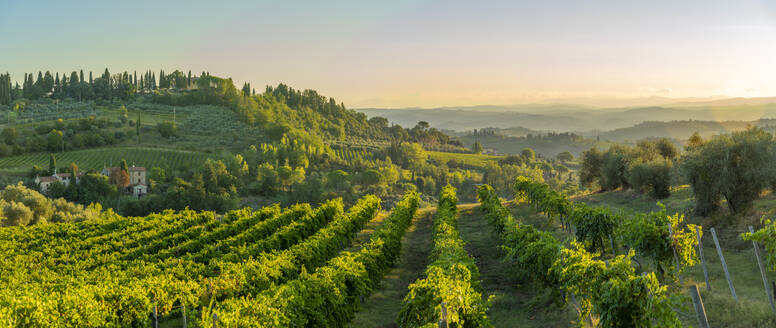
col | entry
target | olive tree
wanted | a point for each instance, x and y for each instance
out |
(736, 167)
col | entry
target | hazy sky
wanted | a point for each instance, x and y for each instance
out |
(414, 53)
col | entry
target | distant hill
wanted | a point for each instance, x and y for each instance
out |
(679, 130)
(466, 119)
(569, 118)
(544, 144)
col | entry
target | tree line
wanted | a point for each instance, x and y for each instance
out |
(735, 167)
(124, 85)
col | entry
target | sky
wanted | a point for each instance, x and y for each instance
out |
(414, 53)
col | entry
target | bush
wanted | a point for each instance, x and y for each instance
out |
(167, 129)
(653, 178)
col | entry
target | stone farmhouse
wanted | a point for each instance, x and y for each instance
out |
(137, 179)
(63, 178)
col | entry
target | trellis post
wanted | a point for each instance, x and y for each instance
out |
(700, 311)
(703, 260)
(724, 264)
(443, 320)
(185, 325)
(762, 271)
(676, 257)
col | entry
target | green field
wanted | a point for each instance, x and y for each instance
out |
(475, 160)
(100, 157)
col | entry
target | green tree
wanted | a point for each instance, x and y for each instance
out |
(168, 129)
(15, 213)
(56, 140)
(616, 163)
(337, 180)
(409, 155)
(528, 154)
(653, 178)
(477, 147)
(9, 135)
(565, 156)
(123, 114)
(737, 167)
(137, 127)
(52, 164)
(590, 170)
(40, 205)
(666, 148)
(5, 89)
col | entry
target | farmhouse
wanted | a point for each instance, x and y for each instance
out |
(63, 178)
(137, 179)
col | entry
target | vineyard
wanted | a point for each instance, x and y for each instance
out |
(449, 292)
(101, 157)
(267, 268)
(605, 287)
(45, 112)
(351, 155)
(302, 267)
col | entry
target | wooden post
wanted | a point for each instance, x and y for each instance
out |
(676, 257)
(588, 319)
(185, 325)
(156, 317)
(699, 309)
(703, 260)
(443, 321)
(611, 244)
(762, 271)
(773, 283)
(724, 265)
(215, 320)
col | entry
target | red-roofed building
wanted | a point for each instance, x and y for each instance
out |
(137, 179)
(64, 178)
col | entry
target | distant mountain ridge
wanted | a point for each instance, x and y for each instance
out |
(576, 118)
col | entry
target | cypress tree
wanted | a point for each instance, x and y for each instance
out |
(52, 163)
(137, 126)
(91, 81)
(81, 76)
(48, 82)
(5, 89)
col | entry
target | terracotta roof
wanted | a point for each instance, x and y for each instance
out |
(46, 179)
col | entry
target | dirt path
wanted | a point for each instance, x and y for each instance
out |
(382, 307)
(511, 302)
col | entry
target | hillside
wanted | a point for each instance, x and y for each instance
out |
(563, 118)
(677, 130)
(545, 144)
(207, 145)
